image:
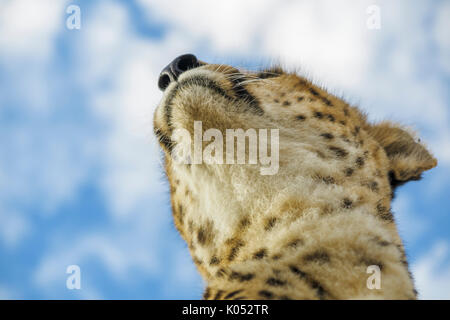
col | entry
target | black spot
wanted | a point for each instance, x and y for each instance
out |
(327, 136)
(320, 291)
(205, 233)
(235, 249)
(207, 293)
(349, 172)
(380, 241)
(373, 185)
(201, 238)
(346, 111)
(328, 180)
(360, 162)
(339, 152)
(300, 99)
(232, 294)
(384, 213)
(314, 92)
(241, 276)
(245, 222)
(286, 103)
(343, 122)
(270, 223)
(214, 261)
(297, 271)
(180, 213)
(276, 256)
(275, 282)
(260, 254)
(164, 140)
(294, 243)
(330, 117)
(319, 256)
(220, 273)
(276, 100)
(347, 203)
(301, 117)
(318, 115)
(265, 294)
(383, 243)
(219, 294)
(327, 102)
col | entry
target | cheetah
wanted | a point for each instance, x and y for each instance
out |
(311, 230)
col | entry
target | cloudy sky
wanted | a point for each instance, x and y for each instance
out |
(80, 173)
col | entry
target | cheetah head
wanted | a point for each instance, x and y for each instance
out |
(330, 157)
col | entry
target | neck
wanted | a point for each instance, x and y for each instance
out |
(317, 236)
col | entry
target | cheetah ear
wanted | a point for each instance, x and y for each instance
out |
(408, 157)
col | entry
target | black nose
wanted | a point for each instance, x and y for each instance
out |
(175, 68)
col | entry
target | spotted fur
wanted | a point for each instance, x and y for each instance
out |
(311, 230)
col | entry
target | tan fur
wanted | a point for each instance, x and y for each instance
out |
(309, 231)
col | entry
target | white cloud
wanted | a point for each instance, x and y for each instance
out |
(28, 33)
(28, 27)
(230, 26)
(328, 39)
(7, 293)
(14, 228)
(432, 272)
(42, 168)
(139, 245)
(183, 275)
(441, 34)
(410, 223)
(37, 167)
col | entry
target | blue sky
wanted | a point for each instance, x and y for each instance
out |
(80, 172)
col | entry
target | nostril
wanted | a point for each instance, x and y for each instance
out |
(175, 68)
(184, 63)
(164, 81)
